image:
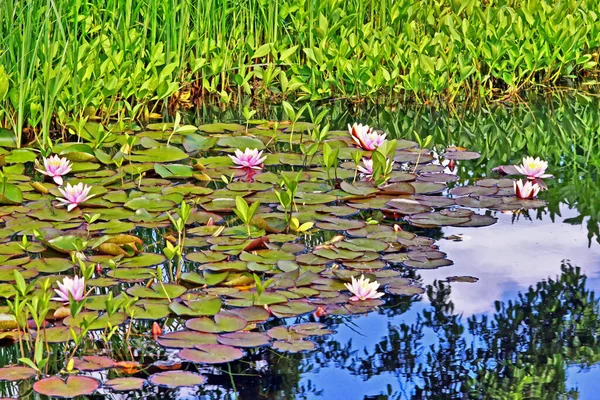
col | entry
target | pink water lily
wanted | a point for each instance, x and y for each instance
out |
(55, 167)
(366, 137)
(75, 286)
(73, 195)
(367, 170)
(533, 168)
(248, 159)
(363, 289)
(527, 190)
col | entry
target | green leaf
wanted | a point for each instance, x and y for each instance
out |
(262, 50)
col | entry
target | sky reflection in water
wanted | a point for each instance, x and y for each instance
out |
(508, 258)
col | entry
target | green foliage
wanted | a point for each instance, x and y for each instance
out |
(72, 60)
(245, 212)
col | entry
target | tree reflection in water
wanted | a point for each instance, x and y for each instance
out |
(522, 351)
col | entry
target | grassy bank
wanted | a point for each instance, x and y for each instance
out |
(62, 61)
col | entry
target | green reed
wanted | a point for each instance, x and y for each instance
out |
(122, 60)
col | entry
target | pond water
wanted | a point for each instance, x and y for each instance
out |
(515, 315)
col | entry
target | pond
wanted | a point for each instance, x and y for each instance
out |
(486, 295)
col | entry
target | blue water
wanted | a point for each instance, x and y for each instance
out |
(507, 257)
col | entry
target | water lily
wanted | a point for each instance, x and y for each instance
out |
(55, 167)
(527, 190)
(367, 170)
(363, 289)
(365, 136)
(248, 158)
(75, 286)
(533, 168)
(73, 195)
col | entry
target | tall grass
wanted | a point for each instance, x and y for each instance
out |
(120, 60)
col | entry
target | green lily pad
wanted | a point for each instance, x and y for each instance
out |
(240, 142)
(176, 379)
(150, 204)
(49, 265)
(131, 274)
(197, 307)
(10, 194)
(159, 154)
(157, 291)
(144, 260)
(223, 322)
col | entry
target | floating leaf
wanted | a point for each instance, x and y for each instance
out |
(74, 386)
(186, 339)
(124, 384)
(294, 346)
(157, 291)
(211, 354)
(16, 373)
(223, 322)
(244, 339)
(176, 379)
(93, 363)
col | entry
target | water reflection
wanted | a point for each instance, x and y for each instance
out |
(522, 350)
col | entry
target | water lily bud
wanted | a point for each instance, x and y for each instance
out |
(70, 365)
(156, 330)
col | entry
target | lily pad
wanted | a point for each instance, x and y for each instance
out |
(176, 379)
(244, 339)
(74, 386)
(294, 346)
(16, 373)
(157, 291)
(211, 354)
(124, 384)
(186, 339)
(223, 322)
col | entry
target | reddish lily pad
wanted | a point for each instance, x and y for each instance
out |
(211, 354)
(186, 339)
(124, 384)
(16, 373)
(74, 386)
(244, 339)
(93, 363)
(294, 346)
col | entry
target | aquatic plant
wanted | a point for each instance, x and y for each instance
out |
(527, 190)
(74, 195)
(55, 167)
(533, 168)
(366, 170)
(363, 289)
(366, 137)
(248, 158)
(70, 288)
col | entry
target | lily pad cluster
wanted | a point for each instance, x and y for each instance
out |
(228, 283)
